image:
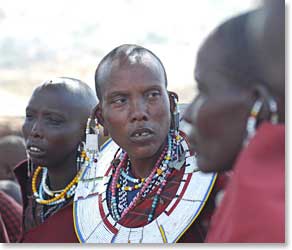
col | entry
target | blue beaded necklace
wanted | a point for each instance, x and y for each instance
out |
(159, 179)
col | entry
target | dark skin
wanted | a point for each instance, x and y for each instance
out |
(135, 109)
(219, 113)
(266, 29)
(54, 127)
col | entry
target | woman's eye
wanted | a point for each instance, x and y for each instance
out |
(153, 94)
(28, 116)
(53, 121)
(119, 100)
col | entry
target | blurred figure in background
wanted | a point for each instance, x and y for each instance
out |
(12, 151)
(10, 126)
(238, 122)
(12, 188)
(10, 219)
(266, 29)
(3, 232)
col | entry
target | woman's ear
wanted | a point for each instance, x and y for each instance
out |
(99, 116)
(97, 112)
(262, 93)
(173, 100)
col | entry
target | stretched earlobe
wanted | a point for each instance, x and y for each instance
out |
(173, 100)
(105, 132)
(174, 110)
(99, 117)
(97, 112)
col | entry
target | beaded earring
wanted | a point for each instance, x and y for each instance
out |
(80, 156)
(90, 153)
(252, 121)
(274, 111)
(91, 144)
(178, 158)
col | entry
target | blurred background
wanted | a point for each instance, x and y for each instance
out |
(44, 39)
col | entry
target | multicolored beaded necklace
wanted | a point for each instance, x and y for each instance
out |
(57, 197)
(157, 178)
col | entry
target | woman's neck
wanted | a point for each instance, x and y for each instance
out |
(141, 168)
(62, 174)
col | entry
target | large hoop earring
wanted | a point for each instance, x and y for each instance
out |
(252, 121)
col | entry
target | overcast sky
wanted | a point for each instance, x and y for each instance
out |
(84, 31)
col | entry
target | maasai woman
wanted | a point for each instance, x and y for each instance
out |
(248, 108)
(54, 128)
(145, 187)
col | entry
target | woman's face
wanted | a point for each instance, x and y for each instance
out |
(53, 127)
(136, 109)
(218, 114)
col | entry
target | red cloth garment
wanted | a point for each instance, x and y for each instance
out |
(3, 232)
(253, 206)
(11, 214)
(58, 228)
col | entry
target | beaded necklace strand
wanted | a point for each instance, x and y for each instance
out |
(160, 170)
(59, 196)
(65, 194)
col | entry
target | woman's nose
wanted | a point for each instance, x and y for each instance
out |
(139, 111)
(192, 111)
(36, 130)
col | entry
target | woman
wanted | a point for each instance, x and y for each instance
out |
(54, 128)
(145, 187)
(238, 123)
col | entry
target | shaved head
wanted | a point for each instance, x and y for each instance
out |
(123, 57)
(82, 95)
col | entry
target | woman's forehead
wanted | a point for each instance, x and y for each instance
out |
(133, 75)
(54, 98)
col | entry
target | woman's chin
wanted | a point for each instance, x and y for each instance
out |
(205, 166)
(39, 162)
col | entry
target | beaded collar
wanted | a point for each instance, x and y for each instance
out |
(95, 224)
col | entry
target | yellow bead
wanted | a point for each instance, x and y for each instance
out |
(159, 171)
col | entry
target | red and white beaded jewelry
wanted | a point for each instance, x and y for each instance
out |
(166, 155)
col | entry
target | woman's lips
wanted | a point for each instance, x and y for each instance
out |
(141, 135)
(35, 151)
